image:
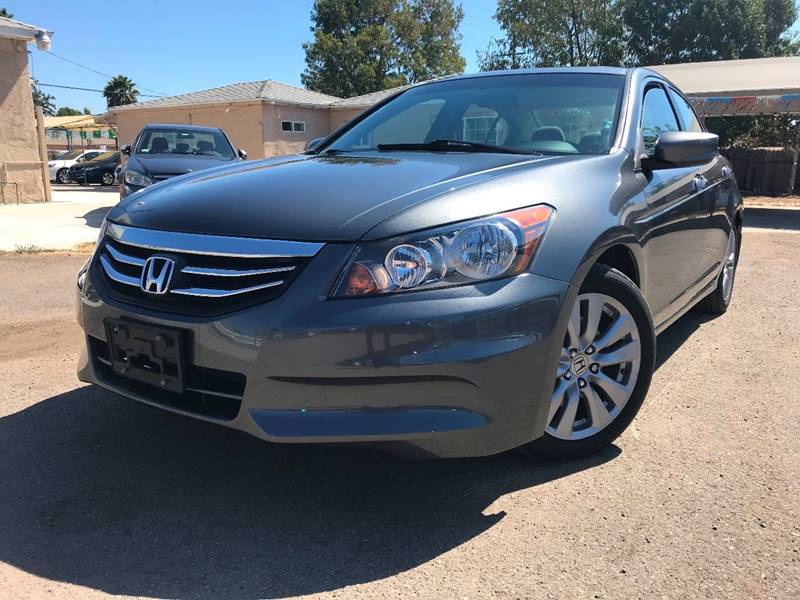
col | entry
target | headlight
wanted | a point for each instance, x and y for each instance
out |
(488, 248)
(137, 179)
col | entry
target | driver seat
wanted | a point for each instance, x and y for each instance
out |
(549, 133)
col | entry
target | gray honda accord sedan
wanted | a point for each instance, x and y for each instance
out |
(475, 264)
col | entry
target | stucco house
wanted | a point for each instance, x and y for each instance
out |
(265, 118)
(23, 157)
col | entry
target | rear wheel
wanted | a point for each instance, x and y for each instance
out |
(606, 364)
(108, 178)
(62, 176)
(717, 302)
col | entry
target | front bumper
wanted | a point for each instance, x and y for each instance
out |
(465, 371)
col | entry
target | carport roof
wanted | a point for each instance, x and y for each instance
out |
(265, 90)
(747, 77)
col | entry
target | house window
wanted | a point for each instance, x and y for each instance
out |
(293, 126)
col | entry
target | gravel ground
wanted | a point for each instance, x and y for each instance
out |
(699, 498)
(791, 201)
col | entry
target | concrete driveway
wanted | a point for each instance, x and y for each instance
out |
(101, 496)
(72, 218)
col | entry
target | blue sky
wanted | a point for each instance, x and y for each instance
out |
(176, 46)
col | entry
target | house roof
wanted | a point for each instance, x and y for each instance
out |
(17, 30)
(266, 90)
(367, 100)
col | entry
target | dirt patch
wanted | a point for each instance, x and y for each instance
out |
(30, 338)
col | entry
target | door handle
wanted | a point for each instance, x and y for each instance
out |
(726, 172)
(699, 183)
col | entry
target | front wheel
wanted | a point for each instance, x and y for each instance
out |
(607, 361)
(62, 176)
(108, 178)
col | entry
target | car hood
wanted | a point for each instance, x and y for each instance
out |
(309, 197)
(171, 165)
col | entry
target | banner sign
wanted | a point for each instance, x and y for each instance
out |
(727, 106)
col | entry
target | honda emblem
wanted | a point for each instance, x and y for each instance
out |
(157, 274)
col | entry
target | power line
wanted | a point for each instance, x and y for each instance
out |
(77, 64)
(83, 89)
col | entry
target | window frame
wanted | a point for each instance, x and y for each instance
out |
(293, 126)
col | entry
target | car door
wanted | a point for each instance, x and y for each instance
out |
(670, 224)
(713, 179)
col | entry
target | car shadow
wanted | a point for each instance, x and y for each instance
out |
(103, 492)
(94, 218)
(676, 334)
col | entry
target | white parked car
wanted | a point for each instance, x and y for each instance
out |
(59, 167)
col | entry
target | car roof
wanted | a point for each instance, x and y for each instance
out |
(545, 70)
(181, 127)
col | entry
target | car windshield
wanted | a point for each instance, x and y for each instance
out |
(548, 113)
(183, 142)
(104, 156)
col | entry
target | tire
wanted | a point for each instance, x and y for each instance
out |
(717, 302)
(595, 399)
(62, 176)
(107, 178)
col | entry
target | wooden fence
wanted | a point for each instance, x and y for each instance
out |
(765, 170)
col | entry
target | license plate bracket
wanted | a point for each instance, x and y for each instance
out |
(148, 354)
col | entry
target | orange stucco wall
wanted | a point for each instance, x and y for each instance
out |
(19, 143)
(241, 123)
(255, 127)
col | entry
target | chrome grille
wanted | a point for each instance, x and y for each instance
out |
(211, 274)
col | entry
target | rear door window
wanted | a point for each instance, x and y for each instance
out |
(689, 120)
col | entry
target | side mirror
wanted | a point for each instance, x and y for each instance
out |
(242, 154)
(683, 149)
(126, 149)
(314, 143)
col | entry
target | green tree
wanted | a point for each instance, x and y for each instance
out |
(4, 13)
(363, 46)
(544, 33)
(46, 101)
(66, 111)
(120, 90)
(86, 110)
(672, 31)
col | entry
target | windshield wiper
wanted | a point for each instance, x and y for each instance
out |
(454, 146)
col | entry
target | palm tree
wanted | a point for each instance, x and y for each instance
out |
(120, 90)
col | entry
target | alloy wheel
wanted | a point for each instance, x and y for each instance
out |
(108, 178)
(729, 267)
(598, 368)
(62, 176)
